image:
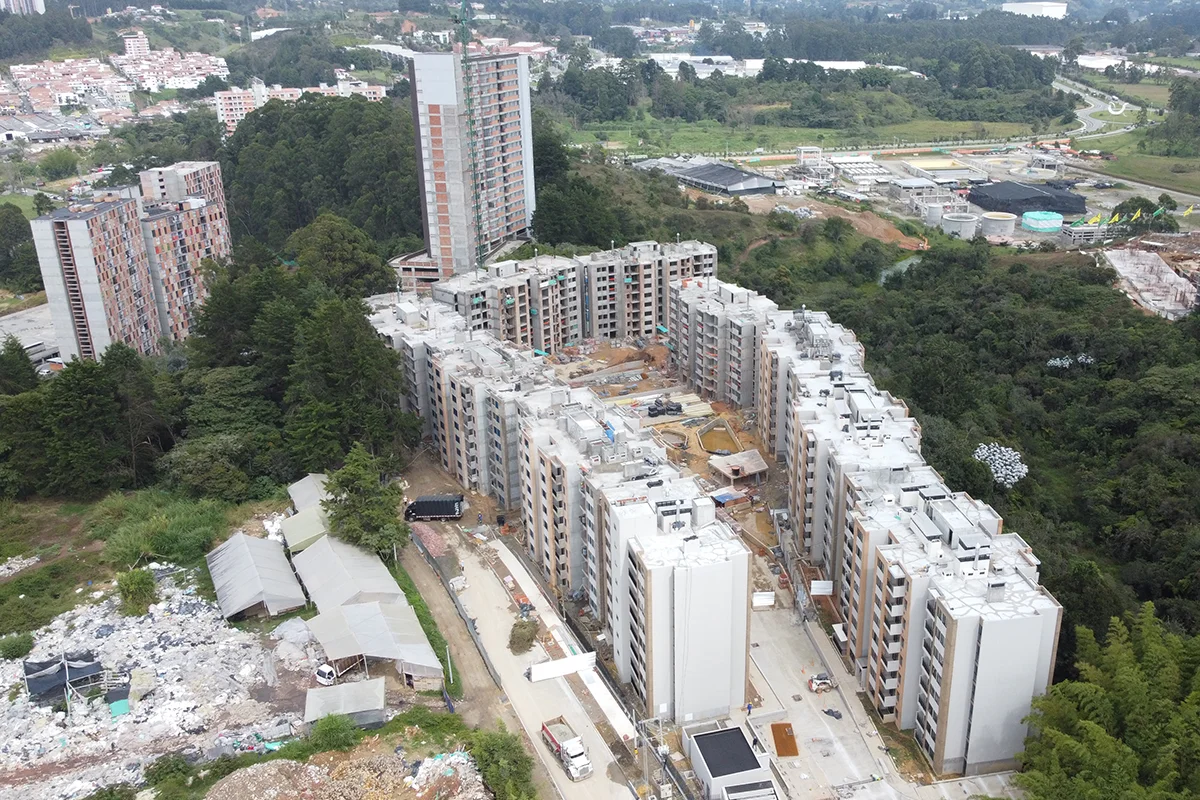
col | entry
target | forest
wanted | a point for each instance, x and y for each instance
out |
(974, 81)
(31, 35)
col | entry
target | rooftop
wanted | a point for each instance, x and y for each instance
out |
(726, 752)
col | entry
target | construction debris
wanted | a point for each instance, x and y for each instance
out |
(271, 780)
(16, 564)
(173, 678)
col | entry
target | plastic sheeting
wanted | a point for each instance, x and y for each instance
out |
(247, 572)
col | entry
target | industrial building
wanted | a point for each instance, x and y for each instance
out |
(475, 159)
(713, 176)
(124, 268)
(1015, 197)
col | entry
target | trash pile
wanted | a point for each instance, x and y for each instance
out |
(17, 563)
(447, 776)
(183, 671)
(435, 545)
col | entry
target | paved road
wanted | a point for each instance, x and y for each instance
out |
(486, 600)
(1090, 123)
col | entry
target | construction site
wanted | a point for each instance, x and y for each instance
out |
(1159, 273)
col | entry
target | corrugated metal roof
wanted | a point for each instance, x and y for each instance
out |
(309, 491)
(377, 630)
(345, 698)
(336, 573)
(247, 571)
(305, 527)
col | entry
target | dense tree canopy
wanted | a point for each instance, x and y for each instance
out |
(363, 505)
(1129, 727)
(19, 271)
(289, 162)
(33, 34)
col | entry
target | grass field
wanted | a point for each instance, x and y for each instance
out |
(1182, 62)
(1154, 94)
(660, 136)
(21, 201)
(1179, 174)
(11, 303)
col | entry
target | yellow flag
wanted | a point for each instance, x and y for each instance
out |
(1189, 210)
(1117, 218)
(1135, 216)
(1094, 220)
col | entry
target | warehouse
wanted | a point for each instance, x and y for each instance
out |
(253, 577)
(713, 176)
(1014, 197)
(336, 573)
(362, 632)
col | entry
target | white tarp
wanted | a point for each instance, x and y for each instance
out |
(388, 631)
(345, 698)
(336, 573)
(303, 528)
(309, 491)
(247, 571)
(561, 666)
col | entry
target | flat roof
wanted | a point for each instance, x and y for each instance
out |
(726, 752)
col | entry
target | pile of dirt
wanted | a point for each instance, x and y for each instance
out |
(270, 780)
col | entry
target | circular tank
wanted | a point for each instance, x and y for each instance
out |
(961, 225)
(933, 215)
(998, 223)
(1042, 221)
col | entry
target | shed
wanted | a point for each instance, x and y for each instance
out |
(336, 573)
(304, 528)
(309, 491)
(385, 631)
(253, 576)
(362, 701)
(739, 466)
(725, 179)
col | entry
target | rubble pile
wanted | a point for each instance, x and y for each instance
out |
(433, 541)
(17, 563)
(189, 675)
(374, 778)
(270, 780)
(450, 776)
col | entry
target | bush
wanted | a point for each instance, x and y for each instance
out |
(335, 732)
(172, 765)
(118, 791)
(524, 633)
(138, 591)
(18, 646)
(506, 768)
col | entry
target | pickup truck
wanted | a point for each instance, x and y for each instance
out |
(568, 746)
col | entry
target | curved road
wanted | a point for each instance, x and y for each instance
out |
(1090, 123)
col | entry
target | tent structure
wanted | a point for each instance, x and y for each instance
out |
(253, 576)
(362, 701)
(1014, 197)
(336, 573)
(309, 491)
(304, 527)
(385, 631)
(44, 678)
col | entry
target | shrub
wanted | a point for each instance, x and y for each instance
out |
(18, 646)
(172, 765)
(118, 791)
(335, 732)
(524, 633)
(138, 591)
(506, 768)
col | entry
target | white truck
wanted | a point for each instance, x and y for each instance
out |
(568, 746)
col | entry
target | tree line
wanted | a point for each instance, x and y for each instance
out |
(31, 35)
(283, 375)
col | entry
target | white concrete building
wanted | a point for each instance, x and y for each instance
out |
(714, 338)
(1037, 9)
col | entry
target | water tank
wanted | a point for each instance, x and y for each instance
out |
(998, 223)
(933, 215)
(961, 225)
(1042, 221)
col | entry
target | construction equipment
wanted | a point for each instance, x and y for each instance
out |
(820, 683)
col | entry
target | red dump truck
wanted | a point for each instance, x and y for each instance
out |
(568, 746)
